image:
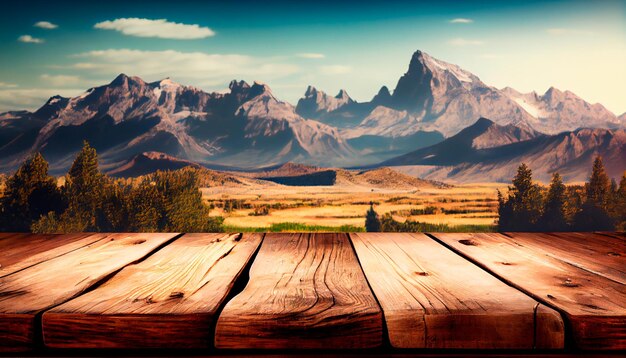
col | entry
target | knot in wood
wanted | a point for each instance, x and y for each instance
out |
(177, 294)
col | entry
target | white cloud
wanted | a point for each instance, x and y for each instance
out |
(461, 20)
(46, 25)
(566, 31)
(465, 42)
(31, 98)
(7, 85)
(160, 28)
(335, 69)
(196, 68)
(61, 80)
(311, 55)
(29, 39)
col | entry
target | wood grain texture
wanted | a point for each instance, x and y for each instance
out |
(305, 291)
(599, 254)
(26, 293)
(594, 306)
(6, 235)
(20, 252)
(166, 301)
(433, 298)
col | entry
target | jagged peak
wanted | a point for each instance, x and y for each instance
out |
(417, 61)
(123, 79)
(382, 95)
(343, 94)
(236, 86)
(311, 91)
(384, 91)
(55, 99)
(482, 121)
(552, 91)
(259, 89)
(167, 81)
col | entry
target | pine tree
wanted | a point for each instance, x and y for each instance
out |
(619, 207)
(599, 186)
(146, 208)
(505, 216)
(553, 217)
(593, 214)
(372, 222)
(85, 191)
(522, 209)
(29, 194)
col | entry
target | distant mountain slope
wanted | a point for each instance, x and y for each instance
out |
(570, 153)
(467, 145)
(556, 111)
(435, 95)
(150, 162)
(247, 126)
(384, 178)
(283, 170)
(316, 103)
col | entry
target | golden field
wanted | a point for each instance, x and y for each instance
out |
(339, 205)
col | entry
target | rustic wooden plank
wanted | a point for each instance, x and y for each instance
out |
(595, 307)
(24, 294)
(20, 252)
(616, 234)
(305, 291)
(601, 255)
(167, 301)
(6, 235)
(433, 298)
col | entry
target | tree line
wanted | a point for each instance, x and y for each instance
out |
(599, 204)
(89, 201)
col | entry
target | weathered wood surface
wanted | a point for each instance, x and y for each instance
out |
(305, 291)
(602, 255)
(434, 298)
(595, 306)
(616, 234)
(5, 235)
(26, 293)
(166, 301)
(22, 251)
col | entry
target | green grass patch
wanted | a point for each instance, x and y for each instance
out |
(294, 227)
(299, 227)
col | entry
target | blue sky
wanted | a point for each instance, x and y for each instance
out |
(62, 47)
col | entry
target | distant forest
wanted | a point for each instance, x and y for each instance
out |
(599, 205)
(170, 201)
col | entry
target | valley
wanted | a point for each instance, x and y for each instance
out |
(267, 206)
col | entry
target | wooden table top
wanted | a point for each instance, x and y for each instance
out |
(391, 293)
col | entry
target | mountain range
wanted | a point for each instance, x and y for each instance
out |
(440, 121)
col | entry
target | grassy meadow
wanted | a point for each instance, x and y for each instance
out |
(471, 207)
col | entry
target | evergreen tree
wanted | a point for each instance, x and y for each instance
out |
(553, 217)
(182, 205)
(114, 212)
(522, 210)
(593, 214)
(599, 186)
(619, 206)
(372, 222)
(505, 214)
(146, 208)
(85, 191)
(29, 194)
